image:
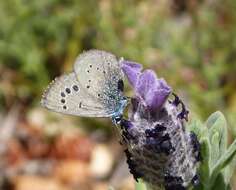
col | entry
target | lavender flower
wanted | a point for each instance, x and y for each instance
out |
(158, 149)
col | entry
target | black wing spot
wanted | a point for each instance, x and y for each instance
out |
(120, 85)
(89, 80)
(90, 66)
(64, 107)
(99, 95)
(76, 88)
(68, 90)
(63, 101)
(88, 86)
(104, 72)
(88, 71)
(63, 94)
(97, 68)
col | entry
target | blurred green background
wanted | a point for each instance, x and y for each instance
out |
(192, 44)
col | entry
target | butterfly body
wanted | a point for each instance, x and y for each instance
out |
(93, 89)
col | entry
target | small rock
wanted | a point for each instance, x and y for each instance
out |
(37, 117)
(37, 183)
(72, 172)
(100, 186)
(101, 162)
(74, 147)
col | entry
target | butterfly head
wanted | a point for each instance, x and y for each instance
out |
(118, 114)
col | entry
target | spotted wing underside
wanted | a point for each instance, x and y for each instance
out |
(65, 95)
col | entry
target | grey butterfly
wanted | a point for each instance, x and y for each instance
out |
(93, 89)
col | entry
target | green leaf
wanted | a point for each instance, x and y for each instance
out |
(220, 183)
(229, 170)
(198, 187)
(204, 167)
(140, 186)
(224, 161)
(216, 123)
(212, 119)
(215, 149)
(197, 127)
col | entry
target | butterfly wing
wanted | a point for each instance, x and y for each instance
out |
(100, 74)
(65, 95)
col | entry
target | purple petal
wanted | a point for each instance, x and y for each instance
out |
(145, 83)
(152, 90)
(156, 99)
(132, 64)
(132, 70)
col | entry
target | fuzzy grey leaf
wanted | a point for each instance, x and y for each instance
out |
(216, 123)
(224, 161)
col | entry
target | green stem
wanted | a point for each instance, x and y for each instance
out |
(224, 161)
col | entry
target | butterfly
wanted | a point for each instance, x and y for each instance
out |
(93, 89)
